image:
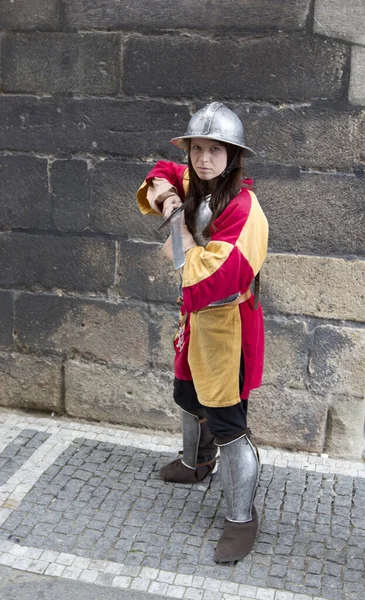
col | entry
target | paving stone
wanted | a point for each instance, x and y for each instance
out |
(278, 570)
(276, 582)
(295, 576)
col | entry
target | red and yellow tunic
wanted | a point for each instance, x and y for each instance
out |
(211, 339)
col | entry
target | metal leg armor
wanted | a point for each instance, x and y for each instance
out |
(199, 452)
(239, 474)
(191, 438)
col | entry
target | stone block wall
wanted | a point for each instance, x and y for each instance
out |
(91, 91)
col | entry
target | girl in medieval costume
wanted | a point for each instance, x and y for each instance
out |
(219, 342)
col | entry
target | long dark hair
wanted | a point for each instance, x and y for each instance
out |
(226, 188)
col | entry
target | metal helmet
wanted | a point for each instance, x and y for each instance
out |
(216, 122)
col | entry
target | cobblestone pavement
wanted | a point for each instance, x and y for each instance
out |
(84, 502)
(18, 451)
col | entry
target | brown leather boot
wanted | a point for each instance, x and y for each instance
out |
(237, 540)
(177, 472)
(198, 456)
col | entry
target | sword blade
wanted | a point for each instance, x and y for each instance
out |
(178, 253)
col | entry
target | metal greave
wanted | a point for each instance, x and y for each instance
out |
(239, 468)
(191, 438)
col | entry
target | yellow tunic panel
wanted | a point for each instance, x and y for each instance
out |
(215, 354)
(252, 241)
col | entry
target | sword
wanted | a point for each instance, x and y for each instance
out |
(178, 252)
(176, 220)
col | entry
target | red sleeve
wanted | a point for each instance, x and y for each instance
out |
(172, 172)
(233, 276)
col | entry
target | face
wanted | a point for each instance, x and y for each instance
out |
(208, 157)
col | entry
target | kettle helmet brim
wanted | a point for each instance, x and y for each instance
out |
(215, 121)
